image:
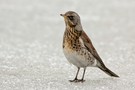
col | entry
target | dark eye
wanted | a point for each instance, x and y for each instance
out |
(71, 17)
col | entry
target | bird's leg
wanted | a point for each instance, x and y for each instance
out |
(82, 80)
(75, 80)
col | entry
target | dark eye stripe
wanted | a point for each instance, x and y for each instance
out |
(71, 17)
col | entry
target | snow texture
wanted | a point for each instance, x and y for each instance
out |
(31, 56)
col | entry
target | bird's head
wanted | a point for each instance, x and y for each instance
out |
(72, 19)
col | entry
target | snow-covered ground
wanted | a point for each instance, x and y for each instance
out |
(31, 32)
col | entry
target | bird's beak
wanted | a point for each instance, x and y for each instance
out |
(62, 15)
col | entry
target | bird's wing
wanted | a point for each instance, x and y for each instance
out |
(88, 44)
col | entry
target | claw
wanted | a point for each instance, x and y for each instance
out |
(77, 80)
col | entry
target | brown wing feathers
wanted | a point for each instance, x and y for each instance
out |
(88, 44)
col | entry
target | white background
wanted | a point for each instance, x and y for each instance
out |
(31, 32)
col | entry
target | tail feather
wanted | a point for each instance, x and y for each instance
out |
(107, 71)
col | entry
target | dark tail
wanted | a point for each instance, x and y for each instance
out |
(107, 71)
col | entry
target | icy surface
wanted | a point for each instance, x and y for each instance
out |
(31, 32)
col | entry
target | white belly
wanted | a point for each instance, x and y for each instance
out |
(79, 60)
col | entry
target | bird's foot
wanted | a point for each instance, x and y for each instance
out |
(77, 80)
(81, 80)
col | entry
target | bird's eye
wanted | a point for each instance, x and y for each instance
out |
(71, 17)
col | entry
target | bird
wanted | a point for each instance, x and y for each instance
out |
(78, 48)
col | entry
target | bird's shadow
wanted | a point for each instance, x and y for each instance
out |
(98, 82)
